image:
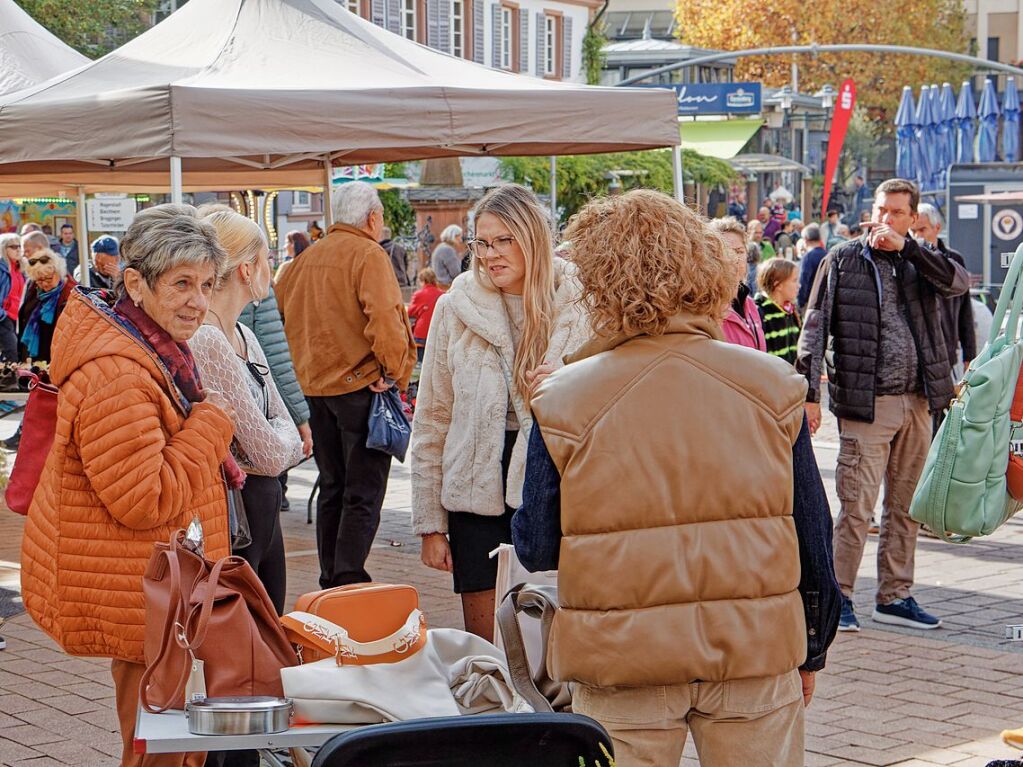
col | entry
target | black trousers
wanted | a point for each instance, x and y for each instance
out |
(262, 499)
(353, 481)
(8, 340)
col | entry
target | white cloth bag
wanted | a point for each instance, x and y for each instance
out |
(510, 573)
(455, 673)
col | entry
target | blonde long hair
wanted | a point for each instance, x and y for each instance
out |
(241, 237)
(521, 212)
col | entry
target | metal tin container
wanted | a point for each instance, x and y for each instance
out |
(251, 715)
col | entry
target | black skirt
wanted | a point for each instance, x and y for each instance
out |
(474, 536)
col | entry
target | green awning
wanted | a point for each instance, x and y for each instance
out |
(718, 138)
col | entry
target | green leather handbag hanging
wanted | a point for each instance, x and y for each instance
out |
(962, 491)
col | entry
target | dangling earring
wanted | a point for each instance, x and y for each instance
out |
(255, 298)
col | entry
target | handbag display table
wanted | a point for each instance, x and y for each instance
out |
(168, 733)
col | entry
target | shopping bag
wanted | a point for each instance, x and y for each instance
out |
(389, 429)
(963, 491)
(38, 428)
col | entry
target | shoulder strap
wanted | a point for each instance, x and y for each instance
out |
(515, 601)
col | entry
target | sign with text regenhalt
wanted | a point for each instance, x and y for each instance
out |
(716, 98)
(110, 214)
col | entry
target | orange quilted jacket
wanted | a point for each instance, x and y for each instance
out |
(127, 468)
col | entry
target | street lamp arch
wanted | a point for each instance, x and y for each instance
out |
(815, 49)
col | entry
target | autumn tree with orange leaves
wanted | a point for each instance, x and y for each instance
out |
(733, 25)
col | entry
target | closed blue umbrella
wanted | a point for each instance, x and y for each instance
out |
(939, 161)
(987, 132)
(905, 136)
(948, 122)
(924, 139)
(1010, 121)
(966, 124)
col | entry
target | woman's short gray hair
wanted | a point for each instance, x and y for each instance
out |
(8, 239)
(59, 262)
(165, 236)
(353, 202)
(451, 233)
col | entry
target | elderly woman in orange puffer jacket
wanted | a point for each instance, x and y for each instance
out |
(139, 452)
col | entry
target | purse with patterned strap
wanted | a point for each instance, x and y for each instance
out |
(373, 623)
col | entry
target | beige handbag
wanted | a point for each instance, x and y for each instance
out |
(454, 673)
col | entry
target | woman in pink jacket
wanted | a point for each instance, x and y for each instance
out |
(742, 324)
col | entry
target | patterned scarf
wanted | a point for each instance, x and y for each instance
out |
(178, 360)
(44, 312)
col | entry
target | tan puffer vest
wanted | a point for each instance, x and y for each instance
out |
(679, 560)
(126, 470)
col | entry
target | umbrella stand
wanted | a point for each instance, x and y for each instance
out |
(175, 180)
(84, 250)
(328, 180)
(554, 192)
(676, 172)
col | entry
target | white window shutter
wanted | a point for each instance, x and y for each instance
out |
(540, 44)
(477, 32)
(377, 12)
(566, 48)
(496, 51)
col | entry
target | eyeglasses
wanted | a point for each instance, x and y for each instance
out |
(501, 245)
(14, 247)
(39, 260)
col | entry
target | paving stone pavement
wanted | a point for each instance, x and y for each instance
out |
(889, 696)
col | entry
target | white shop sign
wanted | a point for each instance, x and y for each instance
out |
(110, 215)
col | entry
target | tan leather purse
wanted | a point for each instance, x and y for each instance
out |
(378, 622)
(208, 620)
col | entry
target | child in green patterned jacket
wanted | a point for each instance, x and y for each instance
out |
(778, 283)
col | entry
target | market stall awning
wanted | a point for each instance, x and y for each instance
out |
(767, 163)
(216, 85)
(718, 138)
(28, 53)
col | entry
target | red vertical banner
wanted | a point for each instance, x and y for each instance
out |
(839, 125)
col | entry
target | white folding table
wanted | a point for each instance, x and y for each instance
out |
(167, 733)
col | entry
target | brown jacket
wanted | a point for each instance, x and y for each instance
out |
(679, 560)
(343, 315)
(127, 468)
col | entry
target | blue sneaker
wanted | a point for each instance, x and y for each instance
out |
(905, 612)
(848, 622)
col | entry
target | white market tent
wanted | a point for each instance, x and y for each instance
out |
(28, 53)
(228, 94)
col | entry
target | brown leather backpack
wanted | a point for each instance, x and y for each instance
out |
(217, 612)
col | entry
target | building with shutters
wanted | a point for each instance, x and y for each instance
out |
(542, 38)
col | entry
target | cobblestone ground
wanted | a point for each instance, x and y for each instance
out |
(888, 697)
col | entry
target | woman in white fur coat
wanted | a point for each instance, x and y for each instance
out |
(504, 325)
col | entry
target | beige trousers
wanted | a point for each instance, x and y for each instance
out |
(126, 689)
(748, 722)
(892, 450)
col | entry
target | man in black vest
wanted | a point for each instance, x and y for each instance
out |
(873, 321)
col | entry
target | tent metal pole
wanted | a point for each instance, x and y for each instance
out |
(676, 172)
(554, 192)
(175, 180)
(328, 180)
(84, 251)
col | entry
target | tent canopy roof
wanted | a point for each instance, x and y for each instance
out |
(248, 91)
(718, 138)
(28, 53)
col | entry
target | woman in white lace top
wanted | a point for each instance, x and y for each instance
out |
(230, 360)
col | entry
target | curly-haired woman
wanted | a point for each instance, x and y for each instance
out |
(683, 545)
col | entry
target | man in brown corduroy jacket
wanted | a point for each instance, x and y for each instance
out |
(349, 337)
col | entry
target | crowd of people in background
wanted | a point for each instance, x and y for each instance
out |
(537, 371)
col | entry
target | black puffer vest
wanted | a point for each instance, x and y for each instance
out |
(854, 346)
